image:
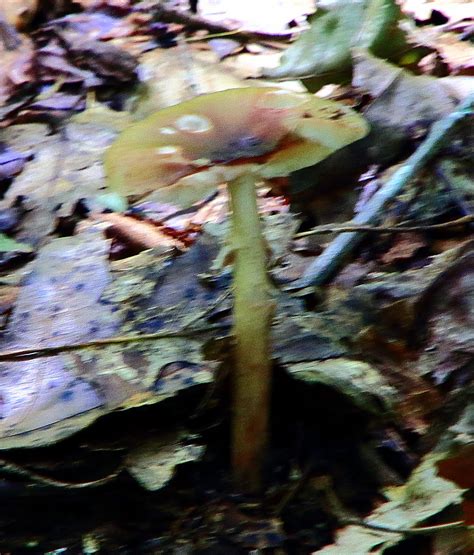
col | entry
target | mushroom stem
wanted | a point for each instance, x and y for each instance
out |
(253, 309)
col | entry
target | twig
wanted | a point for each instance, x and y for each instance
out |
(207, 311)
(191, 21)
(18, 470)
(294, 490)
(215, 36)
(405, 531)
(37, 352)
(381, 229)
(331, 259)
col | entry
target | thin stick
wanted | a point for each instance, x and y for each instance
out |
(294, 491)
(207, 311)
(331, 259)
(191, 21)
(381, 229)
(37, 352)
(405, 531)
(215, 36)
(18, 470)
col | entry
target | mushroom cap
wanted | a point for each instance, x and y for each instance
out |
(185, 151)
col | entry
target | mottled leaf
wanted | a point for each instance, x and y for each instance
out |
(153, 463)
(359, 381)
(63, 301)
(424, 495)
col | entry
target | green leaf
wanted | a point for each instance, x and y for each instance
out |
(323, 53)
(7, 244)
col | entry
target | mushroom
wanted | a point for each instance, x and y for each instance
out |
(239, 137)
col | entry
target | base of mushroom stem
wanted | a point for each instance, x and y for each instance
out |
(251, 395)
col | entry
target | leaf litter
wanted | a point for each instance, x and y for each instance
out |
(375, 365)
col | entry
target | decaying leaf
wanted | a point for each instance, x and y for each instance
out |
(62, 301)
(153, 463)
(359, 381)
(404, 105)
(447, 310)
(457, 447)
(104, 59)
(404, 247)
(16, 69)
(139, 235)
(64, 168)
(424, 495)
(57, 304)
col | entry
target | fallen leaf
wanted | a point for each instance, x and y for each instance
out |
(322, 54)
(404, 105)
(404, 247)
(153, 464)
(16, 70)
(424, 495)
(446, 315)
(359, 381)
(457, 53)
(68, 296)
(457, 447)
(137, 234)
(104, 59)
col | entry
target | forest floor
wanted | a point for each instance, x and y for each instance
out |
(108, 304)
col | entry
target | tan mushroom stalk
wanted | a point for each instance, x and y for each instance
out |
(240, 137)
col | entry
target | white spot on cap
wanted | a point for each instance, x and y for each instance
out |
(167, 131)
(167, 151)
(193, 123)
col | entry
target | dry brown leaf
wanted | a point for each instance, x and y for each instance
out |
(404, 247)
(140, 235)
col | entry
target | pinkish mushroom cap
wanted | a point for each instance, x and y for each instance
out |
(184, 152)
